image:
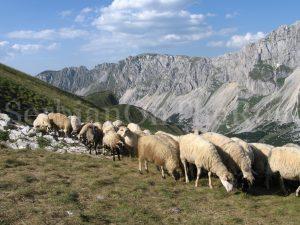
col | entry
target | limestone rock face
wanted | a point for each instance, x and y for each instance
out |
(232, 92)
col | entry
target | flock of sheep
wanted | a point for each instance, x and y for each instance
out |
(235, 162)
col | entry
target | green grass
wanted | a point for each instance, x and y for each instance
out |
(128, 113)
(102, 99)
(25, 94)
(43, 142)
(262, 71)
(38, 187)
(23, 97)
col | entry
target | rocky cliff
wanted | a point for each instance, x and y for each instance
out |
(234, 92)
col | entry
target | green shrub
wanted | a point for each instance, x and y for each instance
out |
(43, 142)
(4, 135)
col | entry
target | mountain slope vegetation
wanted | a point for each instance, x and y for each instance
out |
(23, 97)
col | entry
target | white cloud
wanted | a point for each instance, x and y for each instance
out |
(48, 34)
(227, 30)
(231, 15)
(70, 33)
(81, 17)
(32, 48)
(215, 44)
(65, 13)
(149, 23)
(3, 43)
(238, 41)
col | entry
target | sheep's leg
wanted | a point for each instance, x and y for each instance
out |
(267, 182)
(209, 180)
(146, 166)
(113, 152)
(118, 153)
(140, 166)
(162, 172)
(198, 175)
(297, 191)
(185, 170)
(282, 184)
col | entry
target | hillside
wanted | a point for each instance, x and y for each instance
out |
(23, 97)
(38, 187)
(102, 99)
(229, 93)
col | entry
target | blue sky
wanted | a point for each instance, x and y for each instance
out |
(39, 35)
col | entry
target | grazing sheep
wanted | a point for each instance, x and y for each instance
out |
(60, 122)
(147, 132)
(82, 134)
(233, 155)
(134, 127)
(261, 152)
(113, 141)
(195, 149)
(176, 138)
(152, 149)
(247, 148)
(174, 146)
(94, 137)
(286, 162)
(130, 140)
(118, 123)
(75, 123)
(107, 126)
(42, 122)
(98, 125)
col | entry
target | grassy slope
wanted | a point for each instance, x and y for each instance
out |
(102, 99)
(135, 114)
(38, 187)
(35, 95)
(129, 113)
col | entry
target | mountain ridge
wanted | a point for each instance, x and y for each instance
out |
(199, 92)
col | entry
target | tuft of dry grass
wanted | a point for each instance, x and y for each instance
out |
(39, 187)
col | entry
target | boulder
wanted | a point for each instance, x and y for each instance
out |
(4, 120)
(15, 135)
(22, 143)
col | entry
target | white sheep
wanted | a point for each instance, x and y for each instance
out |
(75, 123)
(113, 141)
(232, 154)
(42, 122)
(98, 125)
(176, 138)
(134, 127)
(118, 123)
(174, 146)
(130, 140)
(195, 149)
(107, 126)
(247, 148)
(82, 133)
(286, 162)
(291, 145)
(152, 149)
(261, 165)
(60, 122)
(147, 132)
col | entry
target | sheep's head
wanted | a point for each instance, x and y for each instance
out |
(227, 180)
(123, 131)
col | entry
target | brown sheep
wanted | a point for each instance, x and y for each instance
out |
(60, 122)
